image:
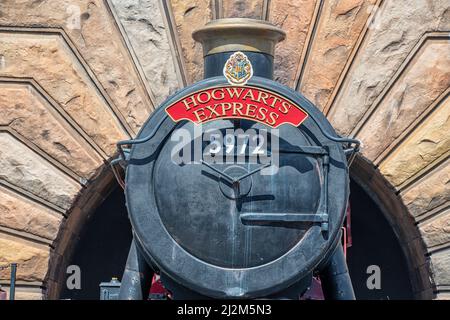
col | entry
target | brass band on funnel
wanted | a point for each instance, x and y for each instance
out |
(239, 34)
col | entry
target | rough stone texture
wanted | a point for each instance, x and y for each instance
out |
(427, 143)
(395, 31)
(243, 9)
(437, 231)
(144, 25)
(443, 296)
(26, 112)
(91, 28)
(46, 59)
(424, 80)
(190, 15)
(24, 168)
(294, 17)
(440, 262)
(431, 192)
(32, 259)
(25, 294)
(340, 25)
(24, 215)
(50, 61)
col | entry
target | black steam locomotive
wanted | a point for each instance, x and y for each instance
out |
(237, 186)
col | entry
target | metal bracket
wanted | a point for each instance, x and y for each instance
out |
(284, 217)
(123, 151)
(122, 163)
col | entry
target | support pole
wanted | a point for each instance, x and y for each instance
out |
(12, 288)
(336, 282)
(137, 277)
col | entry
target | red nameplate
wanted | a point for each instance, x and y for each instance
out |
(233, 102)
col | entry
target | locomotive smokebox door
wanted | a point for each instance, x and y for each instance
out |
(237, 186)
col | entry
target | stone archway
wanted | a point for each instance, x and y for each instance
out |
(71, 231)
(68, 92)
(368, 177)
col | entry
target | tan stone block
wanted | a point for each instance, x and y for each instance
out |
(381, 54)
(144, 26)
(340, 25)
(48, 60)
(23, 295)
(32, 259)
(22, 214)
(437, 231)
(422, 82)
(443, 296)
(430, 192)
(425, 144)
(440, 262)
(243, 9)
(91, 27)
(190, 15)
(294, 17)
(22, 167)
(30, 115)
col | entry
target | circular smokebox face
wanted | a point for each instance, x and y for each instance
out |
(204, 211)
(235, 207)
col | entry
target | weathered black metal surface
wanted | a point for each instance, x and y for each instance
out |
(336, 283)
(273, 234)
(198, 213)
(213, 64)
(137, 277)
(110, 290)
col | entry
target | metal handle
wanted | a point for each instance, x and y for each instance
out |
(283, 217)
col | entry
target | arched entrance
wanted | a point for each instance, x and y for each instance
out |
(390, 92)
(374, 245)
(378, 220)
(394, 219)
(102, 249)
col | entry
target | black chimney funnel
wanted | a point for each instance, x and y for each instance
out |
(255, 38)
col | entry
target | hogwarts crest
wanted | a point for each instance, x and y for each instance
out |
(238, 69)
